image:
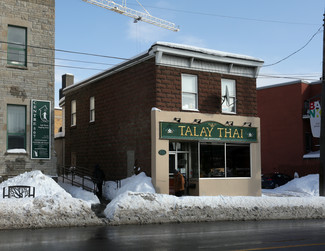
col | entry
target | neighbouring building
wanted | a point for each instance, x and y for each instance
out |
(172, 107)
(288, 143)
(57, 120)
(27, 29)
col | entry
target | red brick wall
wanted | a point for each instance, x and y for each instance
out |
(283, 129)
(169, 91)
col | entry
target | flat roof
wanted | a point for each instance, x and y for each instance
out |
(289, 83)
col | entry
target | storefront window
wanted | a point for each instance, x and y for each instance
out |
(224, 160)
(212, 161)
(194, 167)
(238, 160)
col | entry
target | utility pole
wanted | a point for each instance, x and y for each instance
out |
(322, 132)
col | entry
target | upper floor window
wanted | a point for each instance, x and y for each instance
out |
(92, 109)
(17, 49)
(189, 92)
(16, 127)
(73, 113)
(228, 95)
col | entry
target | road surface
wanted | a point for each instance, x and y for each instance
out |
(250, 235)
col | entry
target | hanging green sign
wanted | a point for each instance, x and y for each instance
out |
(40, 129)
(207, 131)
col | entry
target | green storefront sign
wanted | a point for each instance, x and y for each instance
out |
(40, 129)
(209, 130)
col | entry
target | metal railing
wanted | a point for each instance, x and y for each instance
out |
(81, 177)
(77, 176)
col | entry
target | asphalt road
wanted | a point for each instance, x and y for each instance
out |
(257, 235)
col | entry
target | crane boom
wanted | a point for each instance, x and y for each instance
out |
(136, 15)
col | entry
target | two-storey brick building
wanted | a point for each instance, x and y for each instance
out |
(27, 30)
(172, 107)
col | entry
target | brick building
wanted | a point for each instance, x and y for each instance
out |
(26, 80)
(173, 107)
(287, 142)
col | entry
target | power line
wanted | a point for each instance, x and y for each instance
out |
(104, 56)
(63, 59)
(64, 66)
(296, 77)
(295, 52)
(229, 17)
(66, 51)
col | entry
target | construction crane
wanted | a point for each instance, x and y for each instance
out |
(136, 15)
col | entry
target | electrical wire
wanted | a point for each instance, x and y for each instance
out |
(62, 59)
(65, 51)
(105, 56)
(64, 66)
(295, 52)
(229, 17)
(311, 78)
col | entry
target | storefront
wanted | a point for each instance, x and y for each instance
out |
(217, 154)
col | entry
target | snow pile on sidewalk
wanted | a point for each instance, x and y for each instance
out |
(136, 202)
(51, 207)
(135, 183)
(141, 207)
(300, 187)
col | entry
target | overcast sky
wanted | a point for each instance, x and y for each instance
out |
(265, 29)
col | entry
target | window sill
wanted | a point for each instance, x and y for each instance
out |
(16, 151)
(20, 67)
(190, 110)
(228, 178)
(230, 113)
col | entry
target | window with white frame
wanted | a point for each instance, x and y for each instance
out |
(17, 49)
(228, 95)
(92, 109)
(189, 92)
(73, 113)
(16, 127)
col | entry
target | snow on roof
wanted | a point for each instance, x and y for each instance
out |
(207, 51)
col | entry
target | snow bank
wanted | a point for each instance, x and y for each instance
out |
(135, 183)
(43, 184)
(145, 206)
(78, 192)
(307, 185)
(299, 187)
(142, 208)
(51, 207)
